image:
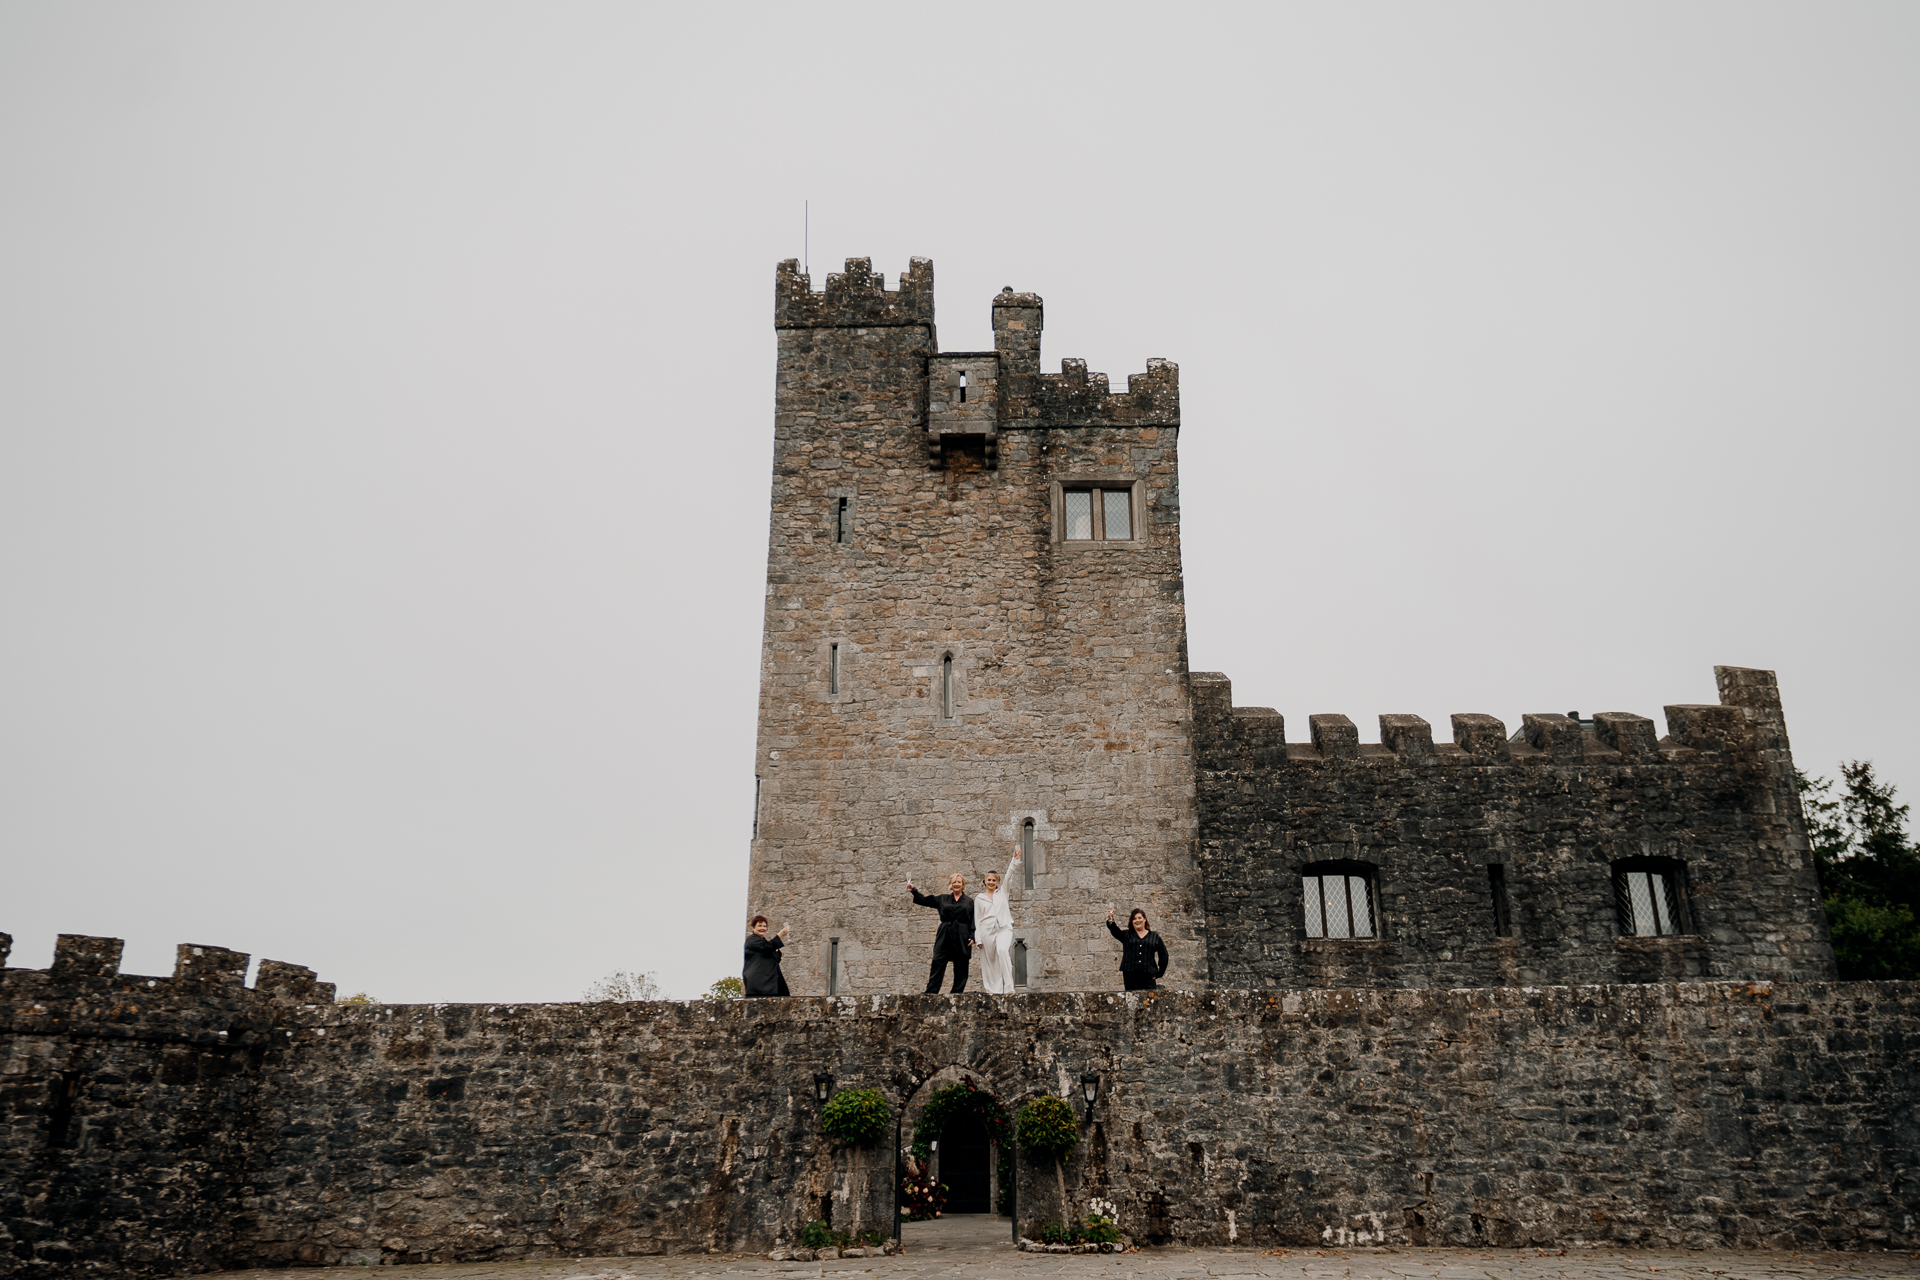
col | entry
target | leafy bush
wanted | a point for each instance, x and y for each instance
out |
(1097, 1229)
(818, 1235)
(857, 1117)
(1047, 1129)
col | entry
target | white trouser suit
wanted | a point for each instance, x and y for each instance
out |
(993, 936)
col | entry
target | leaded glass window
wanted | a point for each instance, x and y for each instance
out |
(1080, 515)
(1339, 901)
(1650, 897)
(1094, 514)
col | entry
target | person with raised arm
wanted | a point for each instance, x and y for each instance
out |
(993, 930)
(1143, 957)
(955, 940)
(760, 974)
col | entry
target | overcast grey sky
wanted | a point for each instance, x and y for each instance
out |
(385, 408)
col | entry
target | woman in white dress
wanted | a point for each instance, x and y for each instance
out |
(993, 931)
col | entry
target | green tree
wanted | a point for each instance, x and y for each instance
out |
(726, 989)
(1869, 873)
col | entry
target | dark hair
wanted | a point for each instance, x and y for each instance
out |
(1143, 916)
(757, 920)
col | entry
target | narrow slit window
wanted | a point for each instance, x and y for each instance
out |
(833, 966)
(963, 386)
(756, 807)
(1502, 915)
(1019, 962)
(946, 687)
(840, 520)
(1026, 854)
(833, 668)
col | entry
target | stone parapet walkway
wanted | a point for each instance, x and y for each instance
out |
(967, 1256)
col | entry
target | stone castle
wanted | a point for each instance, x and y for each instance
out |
(976, 638)
(1561, 987)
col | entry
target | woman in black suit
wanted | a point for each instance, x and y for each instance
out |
(761, 972)
(1143, 957)
(954, 943)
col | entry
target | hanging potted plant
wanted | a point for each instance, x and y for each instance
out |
(1046, 1128)
(858, 1118)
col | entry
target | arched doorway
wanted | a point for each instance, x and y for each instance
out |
(963, 1130)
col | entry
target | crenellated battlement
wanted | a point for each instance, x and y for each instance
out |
(1073, 397)
(1004, 388)
(854, 298)
(1502, 857)
(1227, 737)
(85, 973)
(1076, 398)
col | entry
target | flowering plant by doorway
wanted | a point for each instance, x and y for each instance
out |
(921, 1198)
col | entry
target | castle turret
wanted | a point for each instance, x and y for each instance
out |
(975, 640)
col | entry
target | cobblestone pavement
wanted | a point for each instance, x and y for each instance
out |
(979, 1249)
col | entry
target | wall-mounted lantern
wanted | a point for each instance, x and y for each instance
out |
(822, 1086)
(1090, 1086)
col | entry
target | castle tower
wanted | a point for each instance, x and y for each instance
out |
(975, 638)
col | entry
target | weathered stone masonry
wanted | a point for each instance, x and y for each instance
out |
(941, 666)
(1554, 808)
(167, 1125)
(917, 520)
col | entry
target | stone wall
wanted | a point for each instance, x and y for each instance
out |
(915, 517)
(1553, 809)
(310, 1133)
(130, 1107)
